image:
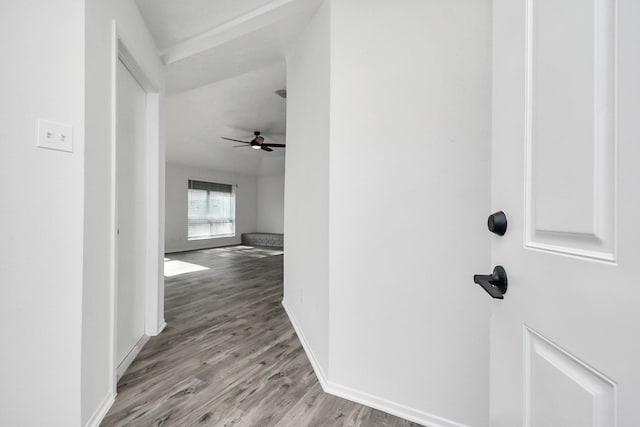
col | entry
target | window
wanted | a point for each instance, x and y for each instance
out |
(212, 210)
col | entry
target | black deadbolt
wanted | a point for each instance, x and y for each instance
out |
(497, 223)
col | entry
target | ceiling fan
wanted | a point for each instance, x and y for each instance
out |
(256, 143)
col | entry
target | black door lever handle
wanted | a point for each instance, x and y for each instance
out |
(495, 284)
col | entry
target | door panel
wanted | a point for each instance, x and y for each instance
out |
(570, 107)
(566, 140)
(130, 177)
(555, 380)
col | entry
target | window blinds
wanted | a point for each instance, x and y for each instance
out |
(210, 186)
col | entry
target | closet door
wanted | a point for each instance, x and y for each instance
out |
(130, 176)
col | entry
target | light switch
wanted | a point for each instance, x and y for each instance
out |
(55, 136)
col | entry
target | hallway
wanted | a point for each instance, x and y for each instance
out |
(229, 356)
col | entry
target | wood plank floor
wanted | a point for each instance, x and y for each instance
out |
(229, 355)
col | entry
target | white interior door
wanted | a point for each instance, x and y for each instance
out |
(565, 347)
(130, 176)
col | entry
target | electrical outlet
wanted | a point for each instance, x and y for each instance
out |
(55, 136)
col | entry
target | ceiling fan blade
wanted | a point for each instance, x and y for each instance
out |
(265, 148)
(236, 140)
(274, 145)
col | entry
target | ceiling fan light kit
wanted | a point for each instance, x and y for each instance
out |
(256, 143)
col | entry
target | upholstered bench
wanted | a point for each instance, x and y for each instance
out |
(275, 240)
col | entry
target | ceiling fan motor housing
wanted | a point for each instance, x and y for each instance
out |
(257, 142)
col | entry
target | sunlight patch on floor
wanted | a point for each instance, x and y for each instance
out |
(243, 251)
(175, 268)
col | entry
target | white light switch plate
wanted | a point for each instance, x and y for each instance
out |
(55, 136)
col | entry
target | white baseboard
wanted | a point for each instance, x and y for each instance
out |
(322, 378)
(156, 330)
(389, 407)
(128, 360)
(363, 398)
(161, 327)
(101, 410)
(196, 247)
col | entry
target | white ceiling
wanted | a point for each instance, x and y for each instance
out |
(197, 119)
(225, 59)
(174, 21)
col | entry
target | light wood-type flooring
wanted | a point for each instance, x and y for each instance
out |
(229, 355)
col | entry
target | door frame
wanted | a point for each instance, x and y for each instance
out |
(154, 201)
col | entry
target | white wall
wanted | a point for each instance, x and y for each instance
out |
(408, 169)
(97, 378)
(270, 204)
(41, 214)
(306, 210)
(177, 177)
(409, 196)
(271, 195)
(56, 305)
